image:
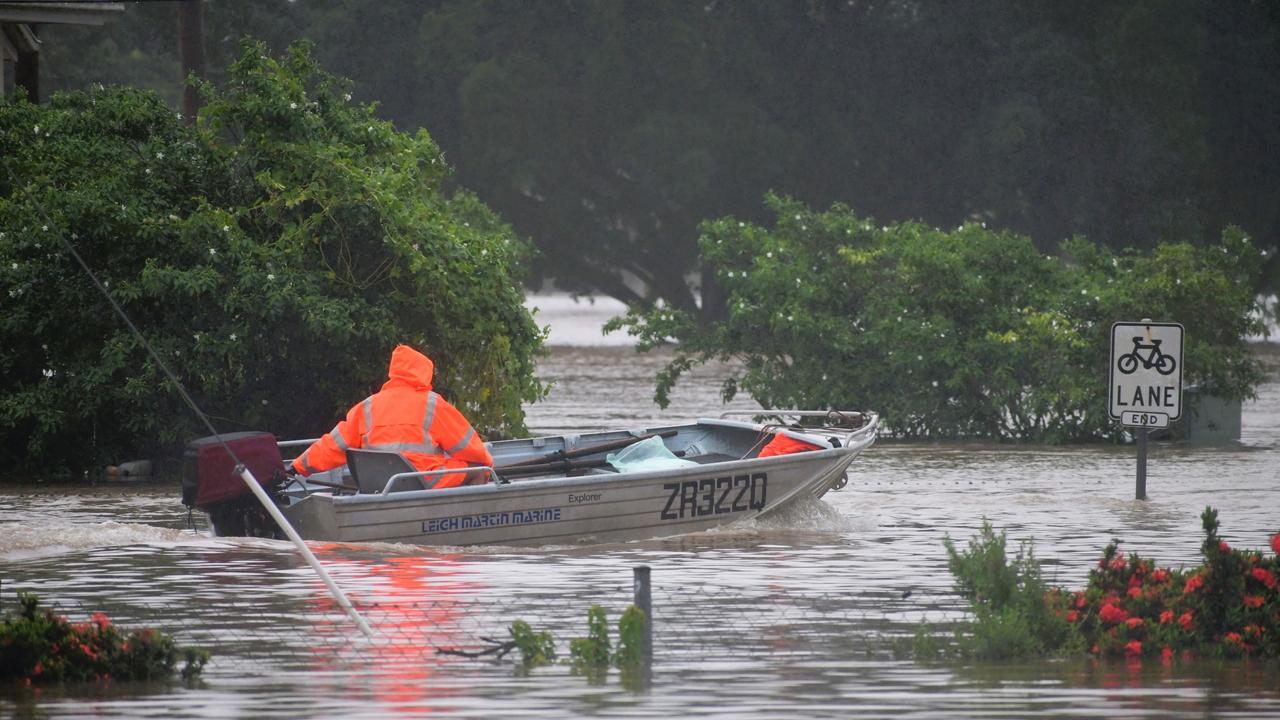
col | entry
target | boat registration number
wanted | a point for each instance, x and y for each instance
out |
(715, 496)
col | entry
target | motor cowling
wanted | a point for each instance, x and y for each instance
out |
(211, 483)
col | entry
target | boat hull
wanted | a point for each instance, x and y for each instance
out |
(600, 508)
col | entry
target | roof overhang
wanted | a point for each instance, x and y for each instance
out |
(63, 13)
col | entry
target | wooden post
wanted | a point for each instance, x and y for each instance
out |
(191, 50)
(644, 600)
(1141, 490)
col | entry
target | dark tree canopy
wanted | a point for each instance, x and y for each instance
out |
(605, 130)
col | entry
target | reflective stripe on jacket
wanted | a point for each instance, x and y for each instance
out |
(407, 417)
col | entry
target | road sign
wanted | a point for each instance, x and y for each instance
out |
(1145, 377)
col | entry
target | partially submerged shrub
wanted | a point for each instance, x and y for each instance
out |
(536, 649)
(1229, 606)
(40, 646)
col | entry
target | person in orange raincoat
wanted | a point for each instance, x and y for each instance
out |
(405, 416)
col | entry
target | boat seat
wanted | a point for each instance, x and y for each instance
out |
(372, 468)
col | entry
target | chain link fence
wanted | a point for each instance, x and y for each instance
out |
(689, 621)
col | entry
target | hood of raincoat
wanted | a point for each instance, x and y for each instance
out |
(409, 368)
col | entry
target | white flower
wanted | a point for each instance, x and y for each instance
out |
(270, 277)
(1097, 299)
(371, 130)
(769, 254)
(1083, 291)
(484, 252)
(293, 106)
(226, 228)
(233, 337)
(148, 171)
(797, 216)
(48, 373)
(804, 227)
(179, 116)
(264, 402)
(159, 156)
(106, 283)
(935, 383)
(730, 273)
(44, 228)
(172, 216)
(212, 251)
(740, 224)
(15, 266)
(347, 97)
(44, 346)
(919, 357)
(37, 131)
(1178, 281)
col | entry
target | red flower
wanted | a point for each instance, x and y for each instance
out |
(1080, 601)
(37, 669)
(1253, 630)
(1094, 649)
(1133, 622)
(1185, 621)
(1135, 592)
(1264, 576)
(1224, 547)
(1118, 564)
(1275, 543)
(1072, 615)
(1112, 614)
(101, 620)
(1233, 637)
(1160, 575)
(1133, 648)
(1166, 655)
(1253, 601)
(1166, 617)
(1194, 583)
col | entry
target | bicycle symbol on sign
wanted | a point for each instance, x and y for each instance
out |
(1151, 359)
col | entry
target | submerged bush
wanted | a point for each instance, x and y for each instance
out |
(273, 256)
(964, 333)
(1229, 606)
(38, 646)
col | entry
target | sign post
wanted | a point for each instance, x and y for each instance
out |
(1144, 382)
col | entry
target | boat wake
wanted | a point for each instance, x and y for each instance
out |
(22, 541)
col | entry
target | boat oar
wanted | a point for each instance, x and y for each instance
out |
(561, 455)
(553, 466)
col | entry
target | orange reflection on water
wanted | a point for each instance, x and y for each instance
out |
(415, 605)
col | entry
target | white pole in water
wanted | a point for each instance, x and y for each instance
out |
(278, 516)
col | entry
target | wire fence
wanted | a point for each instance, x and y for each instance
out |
(689, 621)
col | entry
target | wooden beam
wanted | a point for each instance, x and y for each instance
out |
(68, 13)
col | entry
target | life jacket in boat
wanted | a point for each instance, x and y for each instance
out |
(785, 445)
(405, 416)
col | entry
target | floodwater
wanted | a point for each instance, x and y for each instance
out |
(796, 617)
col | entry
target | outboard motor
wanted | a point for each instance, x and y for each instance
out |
(210, 482)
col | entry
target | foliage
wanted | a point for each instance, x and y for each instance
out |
(963, 333)
(606, 130)
(39, 646)
(631, 629)
(1229, 606)
(274, 256)
(536, 649)
(590, 655)
(1006, 598)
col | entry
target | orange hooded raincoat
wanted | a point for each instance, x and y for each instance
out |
(407, 417)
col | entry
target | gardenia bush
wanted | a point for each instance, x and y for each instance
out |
(273, 256)
(968, 332)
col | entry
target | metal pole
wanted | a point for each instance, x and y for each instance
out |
(278, 516)
(644, 601)
(1141, 491)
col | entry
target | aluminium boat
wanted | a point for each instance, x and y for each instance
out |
(596, 487)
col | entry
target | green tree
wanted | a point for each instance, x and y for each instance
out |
(273, 257)
(967, 333)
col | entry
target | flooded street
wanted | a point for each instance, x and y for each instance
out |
(795, 617)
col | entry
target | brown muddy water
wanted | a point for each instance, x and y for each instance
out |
(795, 617)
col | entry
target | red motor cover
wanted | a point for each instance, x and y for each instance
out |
(209, 473)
